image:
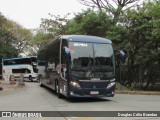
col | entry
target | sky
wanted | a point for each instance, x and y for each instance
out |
(28, 13)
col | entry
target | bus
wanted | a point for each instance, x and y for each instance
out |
(17, 66)
(78, 66)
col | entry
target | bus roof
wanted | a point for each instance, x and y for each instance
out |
(85, 38)
(79, 38)
(13, 58)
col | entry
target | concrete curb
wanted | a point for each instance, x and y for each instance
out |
(138, 92)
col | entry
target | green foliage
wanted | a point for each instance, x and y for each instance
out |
(115, 8)
(23, 36)
(118, 35)
(7, 51)
(89, 23)
(142, 41)
(73, 27)
(13, 36)
(6, 34)
(55, 26)
(40, 39)
(49, 28)
(144, 33)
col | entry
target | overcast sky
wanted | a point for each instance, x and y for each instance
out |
(28, 13)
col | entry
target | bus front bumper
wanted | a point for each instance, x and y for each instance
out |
(92, 92)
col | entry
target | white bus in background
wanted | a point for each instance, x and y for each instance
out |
(33, 59)
(17, 66)
(34, 62)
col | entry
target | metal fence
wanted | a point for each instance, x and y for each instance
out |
(139, 77)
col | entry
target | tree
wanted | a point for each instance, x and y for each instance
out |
(6, 38)
(55, 25)
(89, 23)
(23, 36)
(49, 28)
(5, 31)
(13, 35)
(7, 51)
(41, 38)
(141, 42)
(114, 8)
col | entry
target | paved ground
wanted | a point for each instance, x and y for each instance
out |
(34, 98)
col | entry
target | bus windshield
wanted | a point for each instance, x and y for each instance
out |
(91, 60)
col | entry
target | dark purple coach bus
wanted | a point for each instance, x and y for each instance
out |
(78, 66)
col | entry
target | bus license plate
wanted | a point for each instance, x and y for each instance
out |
(94, 92)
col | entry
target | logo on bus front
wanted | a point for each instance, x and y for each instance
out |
(95, 78)
(81, 44)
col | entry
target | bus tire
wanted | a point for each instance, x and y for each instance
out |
(30, 78)
(58, 90)
(40, 82)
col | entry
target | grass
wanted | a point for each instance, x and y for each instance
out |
(124, 90)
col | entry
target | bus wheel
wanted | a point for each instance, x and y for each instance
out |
(40, 82)
(58, 91)
(30, 78)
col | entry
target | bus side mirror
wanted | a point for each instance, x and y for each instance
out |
(67, 54)
(121, 56)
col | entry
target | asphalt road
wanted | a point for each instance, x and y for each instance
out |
(32, 97)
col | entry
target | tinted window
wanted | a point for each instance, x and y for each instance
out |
(103, 54)
(33, 59)
(41, 63)
(21, 71)
(17, 61)
(81, 54)
(91, 60)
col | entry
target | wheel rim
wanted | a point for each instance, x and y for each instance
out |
(57, 87)
(40, 81)
(30, 78)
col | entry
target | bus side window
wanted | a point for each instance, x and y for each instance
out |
(63, 59)
(46, 66)
(51, 66)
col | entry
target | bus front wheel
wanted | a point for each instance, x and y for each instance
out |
(58, 90)
(30, 78)
(40, 82)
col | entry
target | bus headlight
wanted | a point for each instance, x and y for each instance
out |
(75, 84)
(110, 85)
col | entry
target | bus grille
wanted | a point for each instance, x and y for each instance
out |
(93, 85)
